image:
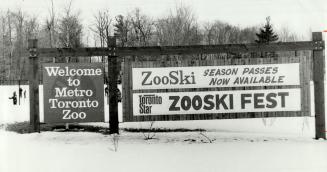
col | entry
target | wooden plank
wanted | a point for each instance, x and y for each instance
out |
(308, 80)
(306, 84)
(319, 90)
(171, 50)
(129, 106)
(13, 82)
(125, 88)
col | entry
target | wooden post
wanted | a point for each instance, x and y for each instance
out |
(113, 89)
(319, 87)
(33, 82)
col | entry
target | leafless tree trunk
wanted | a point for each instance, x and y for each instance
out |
(19, 27)
(50, 24)
(179, 28)
(102, 28)
(11, 48)
(142, 28)
(3, 61)
(285, 35)
(70, 32)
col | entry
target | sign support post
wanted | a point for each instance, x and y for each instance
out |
(319, 90)
(33, 82)
(113, 89)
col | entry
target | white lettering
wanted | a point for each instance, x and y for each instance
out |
(56, 70)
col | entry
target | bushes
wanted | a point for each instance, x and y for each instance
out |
(24, 127)
(160, 130)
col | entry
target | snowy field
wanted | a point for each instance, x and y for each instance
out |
(188, 151)
(270, 145)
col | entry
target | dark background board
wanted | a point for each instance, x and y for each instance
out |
(94, 83)
(305, 77)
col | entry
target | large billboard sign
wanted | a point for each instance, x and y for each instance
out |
(235, 89)
(205, 102)
(216, 76)
(73, 92)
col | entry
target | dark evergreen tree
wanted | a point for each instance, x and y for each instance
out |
(266, 34)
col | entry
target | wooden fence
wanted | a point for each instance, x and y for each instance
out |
(119, 54)
(13, 82)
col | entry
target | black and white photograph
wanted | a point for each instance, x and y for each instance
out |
(163, 86)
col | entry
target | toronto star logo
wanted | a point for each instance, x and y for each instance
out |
(147, 101)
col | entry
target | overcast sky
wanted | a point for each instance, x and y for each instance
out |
(300, 16)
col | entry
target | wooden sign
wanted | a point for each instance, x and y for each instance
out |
(216, 76)
(73, 92)
(217, 89)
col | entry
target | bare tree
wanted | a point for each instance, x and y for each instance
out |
(31, 31)
(219, 33)
(50, 25)
(3, 47)
(208, 33)
(223, 33)
(248, 35)
(16, 27)
(19, 19)
(285, 35)
(70, 31)
(10, 41)
(178, 28)
(142, 28)
(102, 28)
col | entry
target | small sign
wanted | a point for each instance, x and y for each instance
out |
(73, 92)
(216, 76)
(205, 102)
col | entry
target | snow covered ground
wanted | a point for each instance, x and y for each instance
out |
(270, 145)
(186, 151)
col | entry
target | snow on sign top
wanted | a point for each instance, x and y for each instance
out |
(216, 76)
(73, 92)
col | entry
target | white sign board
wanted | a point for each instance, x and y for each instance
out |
(217, 102)
(216, 76)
